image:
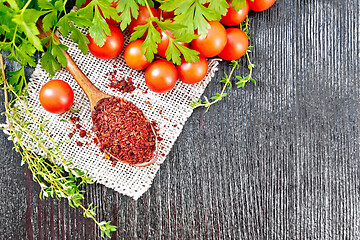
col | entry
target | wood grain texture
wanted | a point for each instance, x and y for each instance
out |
(275, 161)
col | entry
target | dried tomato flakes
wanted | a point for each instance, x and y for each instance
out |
(74, 119)
(77, 128)
(123, 131)
(82, 133)
(122, 85)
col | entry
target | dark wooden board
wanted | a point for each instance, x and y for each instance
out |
(279, 160)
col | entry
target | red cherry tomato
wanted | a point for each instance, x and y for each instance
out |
(192, 72)
(213, 43)
(144, 14)
(56, 96)
(236, 46)
(112, 47)
(134, 58)
(161, 76)
(260, 5)
(232, 17)
(164, 44)
(110, 20)
(166, 15)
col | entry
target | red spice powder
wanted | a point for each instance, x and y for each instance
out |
(123, 131)
(74, 119)
(122, 85)
(82, 133)
(78, 128)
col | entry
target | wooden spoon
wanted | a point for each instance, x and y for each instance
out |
(93, 93)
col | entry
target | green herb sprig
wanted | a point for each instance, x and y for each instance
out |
(56, 175)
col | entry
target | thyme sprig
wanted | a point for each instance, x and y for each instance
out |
(226, 80)
(56, 175)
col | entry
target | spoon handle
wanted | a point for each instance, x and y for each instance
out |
(91, 91)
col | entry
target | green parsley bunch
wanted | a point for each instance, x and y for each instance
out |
(19, 32)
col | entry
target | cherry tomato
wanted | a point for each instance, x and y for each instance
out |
(144, 14)
(112, 47)
(164, 44)
(232, 17)
(166, 15)
(56, 96)
(161, 76)
(110, 20)
(236, 46)
(261, 5)
(134, 58)
(213, 43)
(192, 72)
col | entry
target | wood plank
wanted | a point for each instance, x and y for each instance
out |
(279, 160)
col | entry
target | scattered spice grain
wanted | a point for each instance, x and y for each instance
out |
(82, 133)
(122, 85)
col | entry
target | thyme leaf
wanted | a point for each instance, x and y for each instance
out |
(56, 176)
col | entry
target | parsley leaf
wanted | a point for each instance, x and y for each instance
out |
(17, 79)
(219, 7)
(49, 20)
(26, 52)
(46, 4)
(48, 61)
(127, 8)
(153, 38)
(56, 51)
(80, 39)
(64, 24)
(191, 13)
(27, 21)
(107, 10)
(239, 4)
(175, 49)
(190, 55)
(99, 29)
(79, 20)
